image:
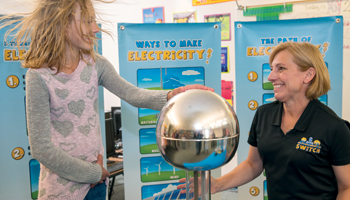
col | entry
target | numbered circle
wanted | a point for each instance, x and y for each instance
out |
(253, 105)
(252, 76)
(12, 81)
(254, 191)
(18, 153)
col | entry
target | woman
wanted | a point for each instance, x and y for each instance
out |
(301, 143)
(62, 98)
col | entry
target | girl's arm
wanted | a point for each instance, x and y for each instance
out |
(39, 132)
(141, 98)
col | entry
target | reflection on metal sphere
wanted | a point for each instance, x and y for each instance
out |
(197, 130)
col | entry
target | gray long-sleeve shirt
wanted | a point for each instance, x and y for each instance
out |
(63, 123)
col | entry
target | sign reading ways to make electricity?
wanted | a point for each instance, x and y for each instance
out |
(161, 57)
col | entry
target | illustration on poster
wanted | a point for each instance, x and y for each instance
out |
(262, 50)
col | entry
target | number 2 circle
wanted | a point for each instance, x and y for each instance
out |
(18, 153)
(252, 105)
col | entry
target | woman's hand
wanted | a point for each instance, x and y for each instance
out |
(187, 87)
(191, 186)
(105, 173)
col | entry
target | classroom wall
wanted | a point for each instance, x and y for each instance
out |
(131, 11)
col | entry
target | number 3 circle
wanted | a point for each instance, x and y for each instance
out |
(18, 153)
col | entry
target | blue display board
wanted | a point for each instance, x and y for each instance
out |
(254, 42)
(19, 172)
(161, 57)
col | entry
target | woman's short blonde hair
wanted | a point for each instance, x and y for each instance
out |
(307, 55)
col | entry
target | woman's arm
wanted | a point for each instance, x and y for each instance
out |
(340, 158)
(248, 170)
(245, 172)
(39, 133)
(342, 174)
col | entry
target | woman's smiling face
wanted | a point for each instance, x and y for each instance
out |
(286, 77)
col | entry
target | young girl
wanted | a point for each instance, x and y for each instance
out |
(62, 97)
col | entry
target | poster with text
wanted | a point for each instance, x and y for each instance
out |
(227, 91)
(185, 17)
(225, 60)
(161, 57)
(205, 2)
(254, 43)
(153, 15)
(225, 20)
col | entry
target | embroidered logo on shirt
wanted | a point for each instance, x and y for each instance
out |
(309, 145)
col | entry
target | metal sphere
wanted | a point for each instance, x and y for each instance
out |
(197, 130)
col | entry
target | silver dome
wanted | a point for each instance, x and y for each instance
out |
(197, 130)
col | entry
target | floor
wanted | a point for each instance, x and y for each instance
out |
(119, 191)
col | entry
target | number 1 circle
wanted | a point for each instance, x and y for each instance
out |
(12, 81)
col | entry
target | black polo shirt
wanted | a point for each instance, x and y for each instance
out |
(298, 165)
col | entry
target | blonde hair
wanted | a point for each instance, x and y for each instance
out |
(45, 28)
(307, 55)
